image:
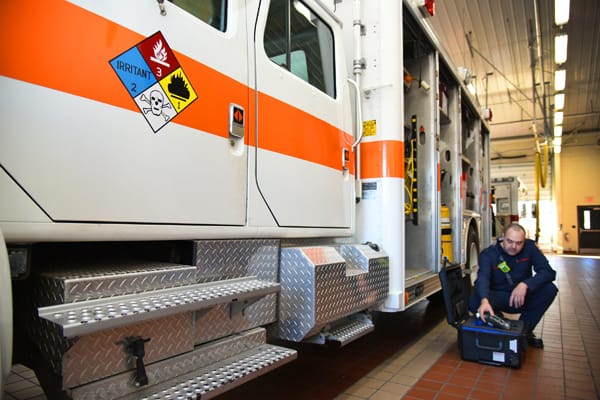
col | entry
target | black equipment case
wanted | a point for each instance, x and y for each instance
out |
(477, 340)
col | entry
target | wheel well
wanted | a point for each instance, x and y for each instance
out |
(473, 226)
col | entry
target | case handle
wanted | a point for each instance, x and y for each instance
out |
(492, 348)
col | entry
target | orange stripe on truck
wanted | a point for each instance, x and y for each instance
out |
(284, 128)
(382, 159)
(43, 49)
(61, 46)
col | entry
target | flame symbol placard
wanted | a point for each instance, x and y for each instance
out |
(160, 54)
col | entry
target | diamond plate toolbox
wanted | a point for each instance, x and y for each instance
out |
(322, 284)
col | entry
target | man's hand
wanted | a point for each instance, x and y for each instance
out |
(484, 307)
(517, 297)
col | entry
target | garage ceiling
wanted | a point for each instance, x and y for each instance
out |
(495, 40)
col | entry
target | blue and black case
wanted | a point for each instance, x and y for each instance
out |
(478, 341)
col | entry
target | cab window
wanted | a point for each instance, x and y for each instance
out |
(298, 40)
(213, 12)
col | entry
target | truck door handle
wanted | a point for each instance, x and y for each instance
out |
(345, 159)
(236, 121)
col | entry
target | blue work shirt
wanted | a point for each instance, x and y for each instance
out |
(490, 277)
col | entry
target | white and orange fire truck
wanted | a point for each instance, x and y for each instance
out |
(181, 181)
(505, 201)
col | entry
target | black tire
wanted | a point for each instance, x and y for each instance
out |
(472, 259)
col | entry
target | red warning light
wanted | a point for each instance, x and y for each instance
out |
(430, 6)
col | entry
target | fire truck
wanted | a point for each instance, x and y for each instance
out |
(505, 201)
(184, 183)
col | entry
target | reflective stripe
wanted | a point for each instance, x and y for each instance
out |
(382, 159)
(61, 46)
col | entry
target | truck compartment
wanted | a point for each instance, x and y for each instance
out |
(323, 287)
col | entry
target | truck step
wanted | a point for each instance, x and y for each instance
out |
(80, 281)
(85, 317)
(350, 330)
(205, 371)
(221, 377)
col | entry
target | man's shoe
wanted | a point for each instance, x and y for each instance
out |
(535, 341)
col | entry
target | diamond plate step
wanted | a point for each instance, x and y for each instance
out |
(79, 281)
(206, 371)
(223, 376)
(84, 317)
(350, 331)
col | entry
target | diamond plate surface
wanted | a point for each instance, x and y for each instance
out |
(102, 354)
(352, 328)
(224, 376)
(318, 286)
(227, 259)
(162, 371)
(218, 321)
(91, 316)
(93, 280)
(84, 282)
(49, 340)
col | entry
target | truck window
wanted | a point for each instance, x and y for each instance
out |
(298, 40)
(213, 12)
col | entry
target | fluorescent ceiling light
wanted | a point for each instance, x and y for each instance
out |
(561, 12)
(559, 101)
(557, 141)
(560, 79)
(558, 131)
(558, 118)
(560, 48)
(557, 149)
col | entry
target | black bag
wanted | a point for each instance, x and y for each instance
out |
(477, 340)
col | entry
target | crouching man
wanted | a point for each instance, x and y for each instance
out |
(506, 283)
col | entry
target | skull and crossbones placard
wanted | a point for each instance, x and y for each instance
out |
(156, 103)
(156, 107)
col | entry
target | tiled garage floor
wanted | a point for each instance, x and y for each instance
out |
(413, 355)
(567, 368)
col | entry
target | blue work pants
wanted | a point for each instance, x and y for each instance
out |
(536, 303)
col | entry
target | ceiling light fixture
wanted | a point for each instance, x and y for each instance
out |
(558, 118)
(557, 149)
(559, 101)
(558, 131)
(560, 48)
(561, 12)
(560, 79)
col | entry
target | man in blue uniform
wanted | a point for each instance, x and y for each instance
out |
(506, 283)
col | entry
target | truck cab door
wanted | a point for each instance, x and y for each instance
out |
(131, 115)
(304, 165)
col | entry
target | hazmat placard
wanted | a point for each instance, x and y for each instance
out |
(155, 80)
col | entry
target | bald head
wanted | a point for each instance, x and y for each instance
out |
(515, 226)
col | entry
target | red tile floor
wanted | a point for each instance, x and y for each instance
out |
(567, 368)
(414, 355)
